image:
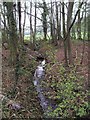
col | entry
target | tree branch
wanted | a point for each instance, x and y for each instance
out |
(73, 20)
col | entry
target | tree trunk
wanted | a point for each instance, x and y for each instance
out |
(84, 36)
(51, 22)
(20, 29)
(13, 38)
(44, 17)
(69, 17)
(79, 27)
(88, 28)
(34, 37)
(31, 29)
(4, 36)
(64, 34)
(57, 29)
(24, 21)
(13, 41)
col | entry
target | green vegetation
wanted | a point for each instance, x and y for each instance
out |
(59, 32)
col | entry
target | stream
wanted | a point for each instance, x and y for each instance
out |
(39, 75)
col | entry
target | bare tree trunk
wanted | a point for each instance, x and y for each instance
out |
(24, 21)
(31, 29)
(57, 29)
(20, 29)
(84, 36)
(5, 36)
(69, 17)
(51, 22)
(64, 34)
(34, 37)
(79, 27)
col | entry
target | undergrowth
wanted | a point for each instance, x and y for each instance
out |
(66, 88)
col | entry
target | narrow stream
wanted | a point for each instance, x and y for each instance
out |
(39, 75)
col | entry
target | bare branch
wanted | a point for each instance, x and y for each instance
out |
(73, 20)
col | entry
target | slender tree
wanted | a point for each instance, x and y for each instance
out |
(59, 26)
(57, 22)
(69, 17)
(34, 36)
(4, 33)
(79, 26)
(19, 14)
(44, 17)
(24, 21)
(64, 34)
(51, 22)
(31, 29)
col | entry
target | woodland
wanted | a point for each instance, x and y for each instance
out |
(45, 59)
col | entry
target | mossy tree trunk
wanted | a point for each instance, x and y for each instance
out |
(13, 37)
(13, 41)
(44, 18)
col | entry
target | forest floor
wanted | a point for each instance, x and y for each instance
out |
(79, 53)
(26, 95)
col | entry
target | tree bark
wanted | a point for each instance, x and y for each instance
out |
(13, 41)
(44, 17)
(64, 34)
(24, 21)
(13, 38)
(31, 29)
(69, 17)
(20, 29)
(51, 22)
(34, 37)
(57, 29)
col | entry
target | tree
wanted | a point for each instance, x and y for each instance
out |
(35, 21)
(57, 22)
(24, 21)
(51, 23)
(69, 18)
(44, 17)
(59, 26)
(64, 34)
(19, 14)
(4, 33)
(13, 37)
(13, 41)
(31, 29)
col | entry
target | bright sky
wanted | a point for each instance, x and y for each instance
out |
(38, 11)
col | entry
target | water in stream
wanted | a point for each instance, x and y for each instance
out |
(38, 77)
